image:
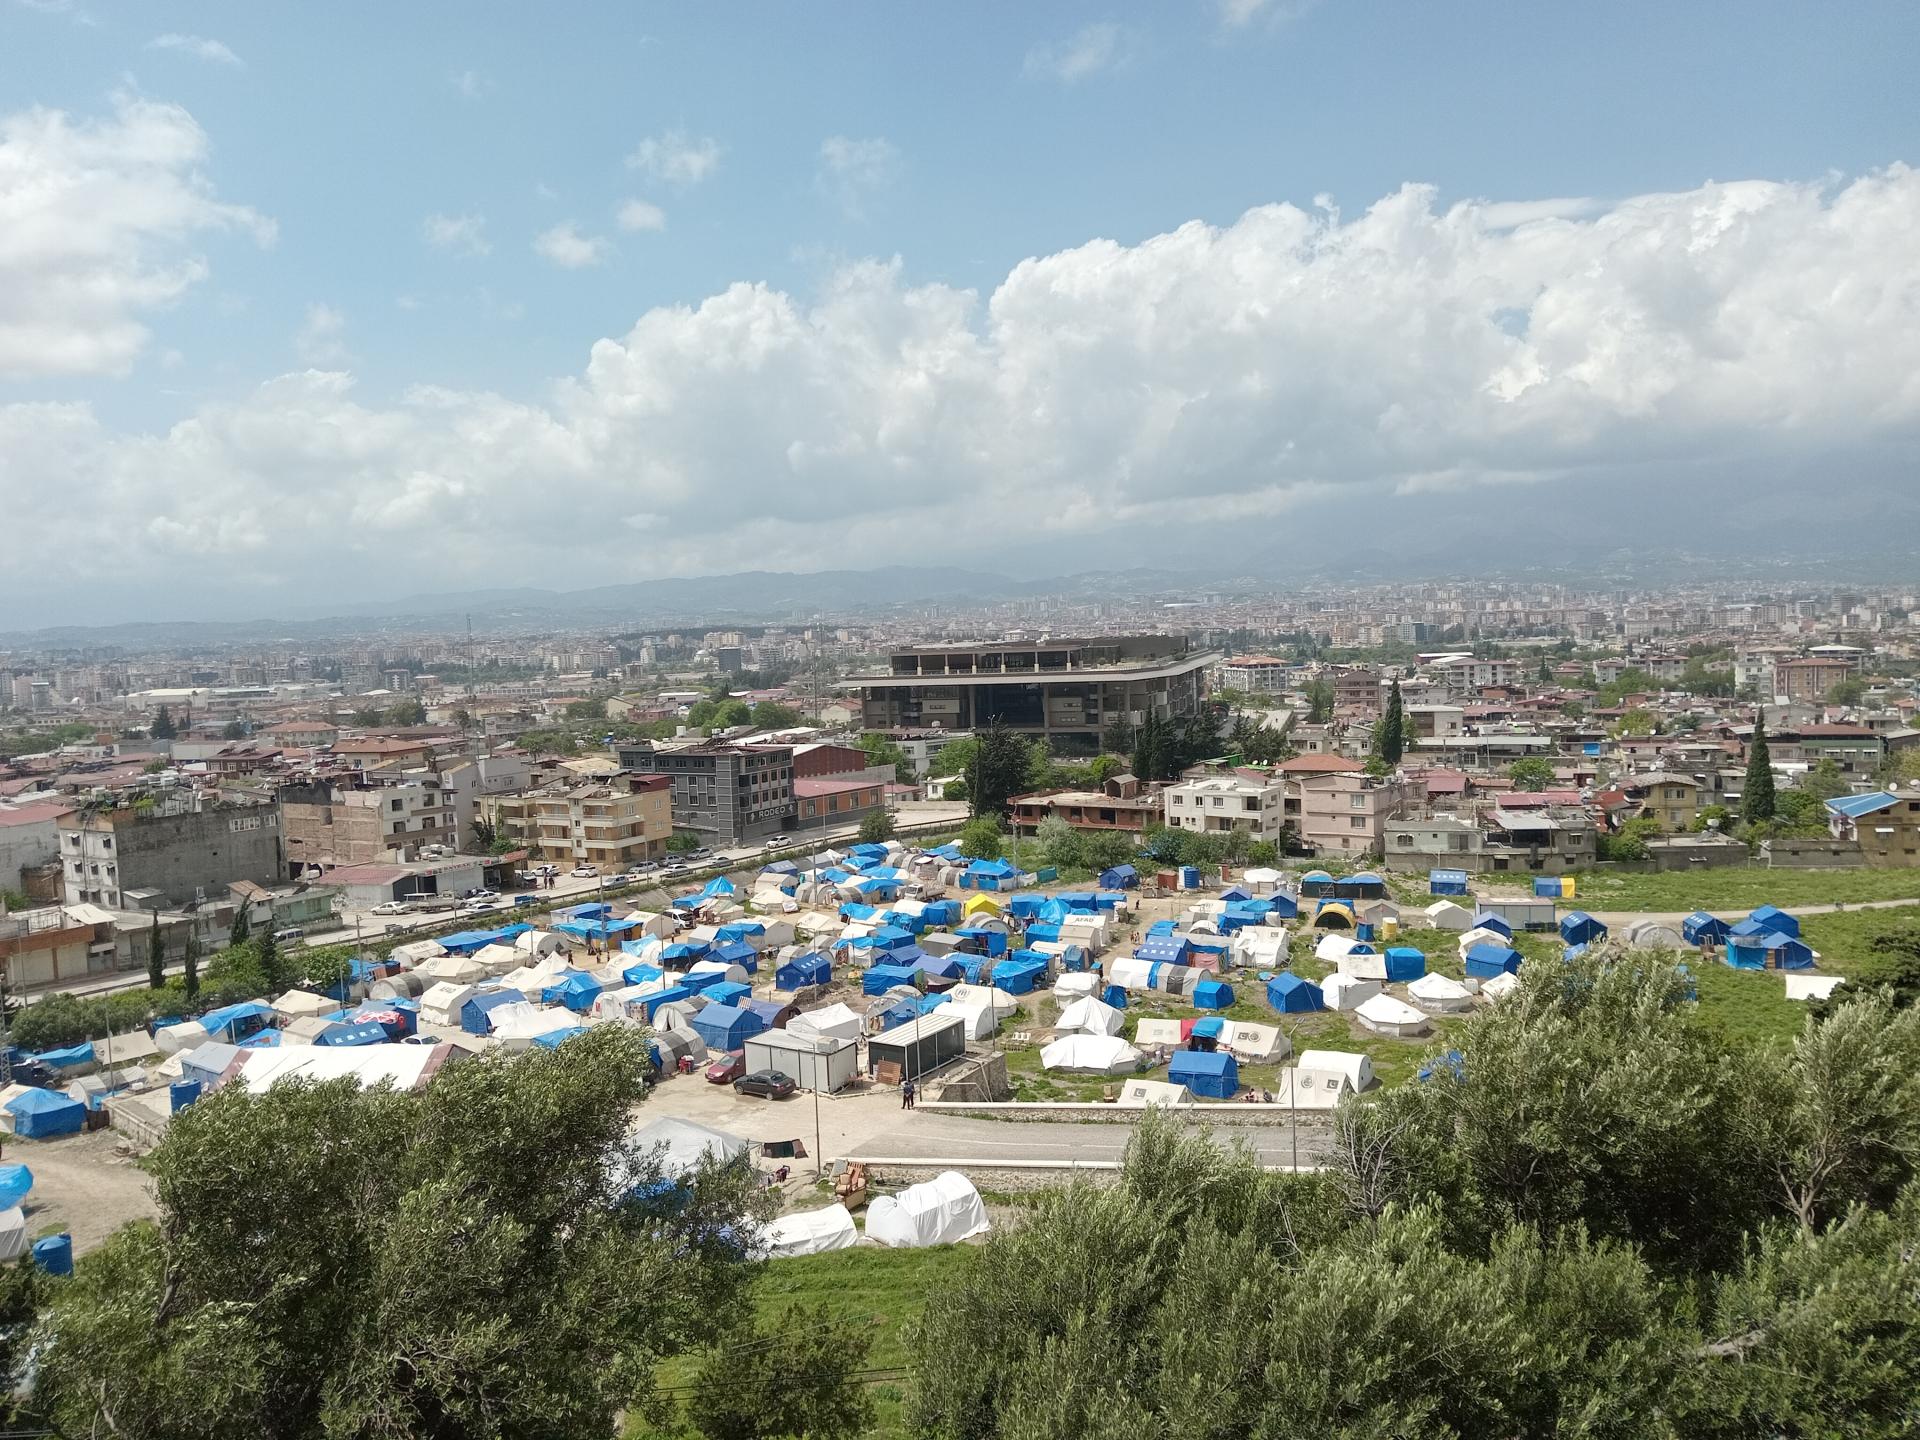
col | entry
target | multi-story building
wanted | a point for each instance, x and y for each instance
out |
(29, 838)
(1856, 749)
(1121, 803)
(1256, 674)
(1808, 678)
(357, 820)
(726, 794)
(1884, 823)
(1217, 804)
(1066, 690)
(1670, 798)
(1336, 807)
(468, 778)
(1358, 687)
(612, 823)
(177, 851)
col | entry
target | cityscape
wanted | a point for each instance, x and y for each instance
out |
(1120, 721)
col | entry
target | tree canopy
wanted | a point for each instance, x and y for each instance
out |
(1531, 773)
(1757, 797)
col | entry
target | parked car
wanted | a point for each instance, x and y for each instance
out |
(674, 867)
(480, 892)
(392, 907)
(767, 1084)
(546, 869)
(291, 932)
(730, 1067)
(584, 872)
(778, 842)
(479, 907)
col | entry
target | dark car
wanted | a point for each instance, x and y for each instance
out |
(727, 1067)
(767, 1084)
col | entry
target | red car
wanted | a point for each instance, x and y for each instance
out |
(726, 1070)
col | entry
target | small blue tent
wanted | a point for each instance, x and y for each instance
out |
(1291, 995)
(1770, 917)
(1757, 952)
(15, 1182)
(574, 989)
(642, 973)
(233, 1023)
(1115, 996)
(1211, 1073)
(352, 1033)
(1701, 928)
(1577, 927)
(727, 1027)
(70, 1057)
(1282, 906)
(811, 968)
(1019, 977)
(474, 1013)
(42, 1114)
(727, 992)
(1212, 995)
(1208, 1027)
(1164, 950)
(739, 953)
(1404, 963)
(1119, 877)
(1487, 920)
(1446, 882)
(879, 979)
(1486, 960)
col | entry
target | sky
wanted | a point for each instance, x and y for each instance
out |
(303, 304)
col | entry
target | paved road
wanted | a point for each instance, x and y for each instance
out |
(925, 1135)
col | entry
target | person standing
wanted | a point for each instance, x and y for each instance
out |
(906, 1095)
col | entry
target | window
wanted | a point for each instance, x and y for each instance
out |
(1357, 822)
(1357, 802)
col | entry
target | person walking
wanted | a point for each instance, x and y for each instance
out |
(906, 1095)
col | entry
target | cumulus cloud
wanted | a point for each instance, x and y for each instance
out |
(1213, 375)
(322, 339)
(1088, 51)
(457, 234)
(97, 222)
(852, 170)
(197, 46)
(676, 157)
(566, 247)
(470, 84)
(639, 215)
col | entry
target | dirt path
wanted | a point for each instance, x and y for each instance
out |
(84, 1185)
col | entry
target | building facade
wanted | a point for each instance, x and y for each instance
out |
(1219, 804)
(1884, 823)
(358, 821)
(175, 853)
(725, 794)
(613, 823)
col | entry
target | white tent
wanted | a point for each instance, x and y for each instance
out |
(614, 1003)
(517, 1026)
(1367, 964)
(1810, 987)
(684, 1143)
(809, 1233)
(498, 959)
(978, 1015)
(1262, 946)
(441, 1004)
(461, 969)
(1260, 875)
(306, 1029)
(173, 1039)
(540, 942)
(296, 1003)
(1385, 1015)
(833, 1022)
(1157, 1032)
(1154, 1092)
(1653, 935)
(1001, 1002)
(1255, 1043)
(942, 1211)
(13, 1233)
(1500, 986)
(1073, 984)
(1331, 948)
(1445, 915)
(1480, 935)
(1331, 1071)
(405, 1067)
(416, 953)
(1130, 974)
(1436, 992)
(1348, 992)
(1090, 1055)
(1088, 1016)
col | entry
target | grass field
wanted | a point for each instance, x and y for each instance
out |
(1736, 890)
(882, 1291)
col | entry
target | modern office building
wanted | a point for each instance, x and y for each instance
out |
(725, 794)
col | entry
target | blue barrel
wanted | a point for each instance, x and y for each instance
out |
(54, 1254)
(183, 1093)
(1189, 877)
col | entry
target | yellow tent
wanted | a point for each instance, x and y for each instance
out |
(981, 905)
(1334, 917)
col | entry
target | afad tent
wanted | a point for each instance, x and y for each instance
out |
(810, 1232)
(1487, 960)
(1577, 927)
(1446, 882)
(1090, 1055)
(1779, 922)
(1700, 928)
(942, 1211)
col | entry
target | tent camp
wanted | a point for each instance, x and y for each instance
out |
(1254, 1044)
(1439, 994)
(36, 1114)
(941, 1211)
(684, 1144)
(1486, 960)
(1348, 992)
(1291, 995)
(1209, 1074)
(1445, 915)
(1385, 1015)
(1090, 1055)
(1089, 1016)
(809, 1232)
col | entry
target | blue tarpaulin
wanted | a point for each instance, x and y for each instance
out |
(1018, 977)
(41, 1114)
(15, 1182)
(236, 1022)
(1486, 960)
(553, 1039)
(71, 1057)
(357, 1032)
(879, 979)
(1210, 1073)
(574, 989)
(727, 992)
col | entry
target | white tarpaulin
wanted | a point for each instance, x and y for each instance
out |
(683, 1144)
(13, 1233)
(1091, 1055)
(943, 1211)
(1088, 1016)
(832, 1022)
(1073, 984)
(810, 1232)
(1348, 992)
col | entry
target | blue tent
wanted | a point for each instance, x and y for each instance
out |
(15, 1182)
(1212, 995)
(948, 851)
(1119, 877)
(71, 1057)
(672, 995)
(1452, 1066)
(595, 910)
(738, 953)
(1212, 1073)
(900, 1012)
(811, 968)
(681, 950)
(1282, 906)
(1756, 952)
(879, 979)
(640, 974)
(1026, 905)
(1164, 950)
(474, 1013)
(42, 1114)
(235, 1022)
(1748, 929)
(1487, 920)
(398, 1018)
(727, 1027)
(574, 989)
(1115, 996)
(1404, 963)
(1446, 882)
(1019, 977)
(727, 992)
(355, 1032)
(553, 1039)
(1579, 928)
(1486, 960)
(990, 941)
(701, 981)
(1235, 893)
(1208, 1027)
(1291, 995)
(1773, 918)
(1700, 927)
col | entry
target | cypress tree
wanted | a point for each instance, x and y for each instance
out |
(190, 975)
(1392, 735)
(242, 927)
(268, 949)
(1756, 801)
(156, 956)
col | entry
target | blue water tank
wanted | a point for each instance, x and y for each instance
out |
(183, 1093)
(54, 1254)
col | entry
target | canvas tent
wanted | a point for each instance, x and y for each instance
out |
(1254, 1044)
(941, 1211)
(1354, 1071)
(1291, 995)
(810, 1232)
(837, 1022)
(1445, 915)
(1154, 1092)
(1652, 935)
(1348, 992)
(1385, 1015)
(1212, 1074)
(36, 1114)
(1089, 1016)
(1090, 1055)
(683, 1144)
(1439, 994)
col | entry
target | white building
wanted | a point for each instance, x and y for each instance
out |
(1218, 804)
(1256, 674)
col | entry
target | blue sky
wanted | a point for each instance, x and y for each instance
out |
(779, 144)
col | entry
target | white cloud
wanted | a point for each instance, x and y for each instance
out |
(470, 84)
(566, 247)
(97, 222)
(851, 170)
(457, 234)
(676, 157)
(1117, 396)
(197, 46)
(322, 339)
(639, 215)
(1088, 51)
(1238, 14)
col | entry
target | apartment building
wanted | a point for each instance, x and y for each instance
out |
(177, 851)
(1358, 687)
(468, 778)
(1808, 678)
(1121, 803)
(1672, 799)
(1344, 810)
(612, 823)
(1218, 804)
(726, 794)
(1256, 674)
(1884, 823)
(362, 819)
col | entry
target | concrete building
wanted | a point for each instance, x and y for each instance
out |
(1884, 823)
(1218, 804)
(1670, 798)
(469, 778)
(362, 819)
(821, 801)
(55, 945)
(612, 823)
(1067, 690)
(181, 850)
(29, 839)
(1808, 678)
(1449, 842)
(1345, 810)
(1256, 674)
(1122, 803)
(726, 794)
(922, 747)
